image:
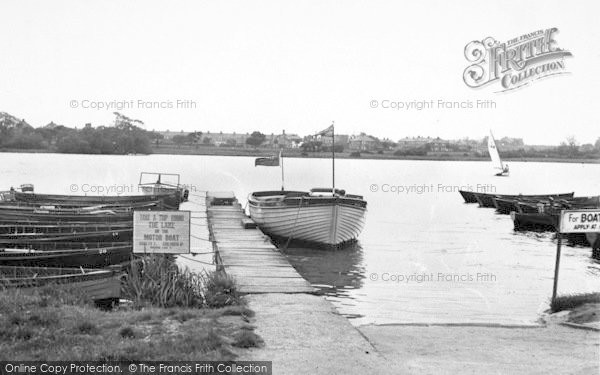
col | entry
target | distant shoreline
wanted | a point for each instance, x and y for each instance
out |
(295, 153)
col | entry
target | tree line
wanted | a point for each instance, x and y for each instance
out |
(124, 137)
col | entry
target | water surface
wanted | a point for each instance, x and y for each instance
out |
(423, 257)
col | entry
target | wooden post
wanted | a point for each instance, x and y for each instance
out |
(557, 265)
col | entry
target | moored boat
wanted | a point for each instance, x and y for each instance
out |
(64, 245)
(487, 200)
(116, 235)
(468, 196)
(44, 216)
(98, 285)
(74, 207)
(87, 258)
(505, 205)
(320, 217)
(533, 206)
(323, 217)
(170, 200)
(152, 184)
(59, 229)
(534, 221)
(168, 194)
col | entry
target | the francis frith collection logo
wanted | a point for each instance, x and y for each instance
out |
(514, 63)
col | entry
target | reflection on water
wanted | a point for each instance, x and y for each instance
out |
(332, 272)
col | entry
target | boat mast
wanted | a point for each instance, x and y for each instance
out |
(333, 156)
(281, 161)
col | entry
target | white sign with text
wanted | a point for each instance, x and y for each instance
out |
(580, 221)
(161, 232)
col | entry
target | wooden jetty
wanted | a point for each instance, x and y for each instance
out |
(281, 299)
(245, 253)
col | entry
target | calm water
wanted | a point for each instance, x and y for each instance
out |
(424, 255)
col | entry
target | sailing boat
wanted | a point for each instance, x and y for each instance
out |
(321, 217)
(496, 161)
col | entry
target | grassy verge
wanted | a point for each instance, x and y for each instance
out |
(572, 301)
(173, 315)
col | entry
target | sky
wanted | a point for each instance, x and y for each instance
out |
(295, 66)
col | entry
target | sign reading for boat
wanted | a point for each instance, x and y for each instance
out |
(580, 221)
(161, 232)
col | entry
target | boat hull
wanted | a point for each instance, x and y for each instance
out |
(468, 196)
(487, 200)
(505, 206)
(330, 224)
(87, 258)
(539, 222)
(169, 200)
(97, 236)
(97, 285)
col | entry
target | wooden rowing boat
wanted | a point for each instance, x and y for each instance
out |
(539, 222)
(94, 284)
(169, 200)
(487, 200)
(61, 217)
(468, 196)
(87, 258)
(77, 207)
(60, 228)
(65, 245)
(558, 204)
(96, 236)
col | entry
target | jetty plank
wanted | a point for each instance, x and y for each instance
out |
(246, 253)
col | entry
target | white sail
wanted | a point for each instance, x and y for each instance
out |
(493, 150)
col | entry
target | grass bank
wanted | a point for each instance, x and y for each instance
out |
(583, 309)
(571, 301)
(171, 315)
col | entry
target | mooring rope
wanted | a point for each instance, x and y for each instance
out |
(200, 238)
(198, 261)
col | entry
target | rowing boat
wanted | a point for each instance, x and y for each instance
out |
(487, 200)
(77, 207)
(558, 204)
(468, 196)
(61, 228)
(88, 258)
(45, 215)
(539, 222)
(169, 200)
(116, 235)
(64, 245)
(94, 284)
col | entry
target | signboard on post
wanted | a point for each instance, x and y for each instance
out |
(573, 221)
(579, 221)
(161, 232)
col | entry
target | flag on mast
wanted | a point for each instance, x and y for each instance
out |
(326, 132)
(271, 161)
